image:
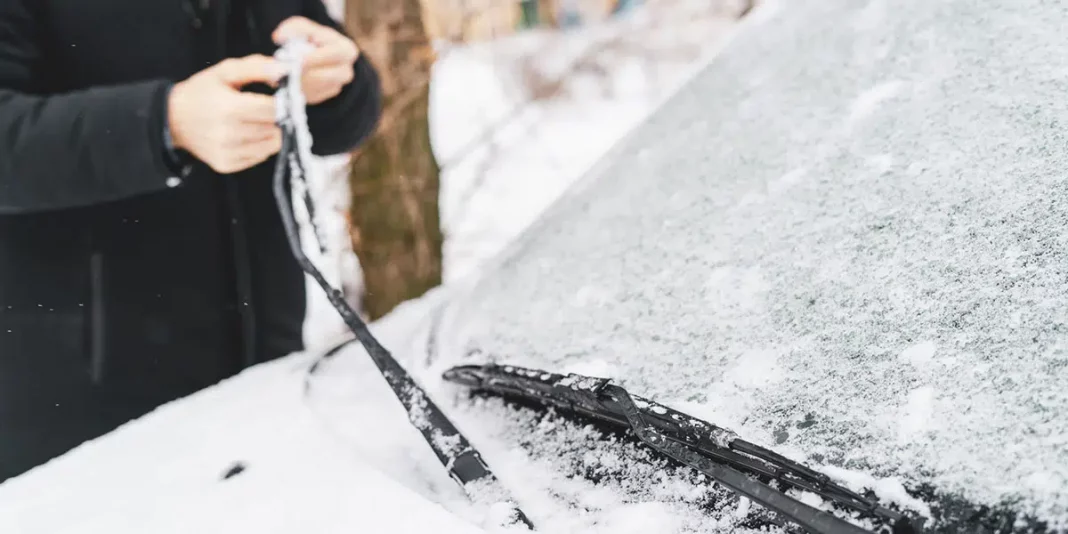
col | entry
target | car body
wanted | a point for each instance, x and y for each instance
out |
(846, 239)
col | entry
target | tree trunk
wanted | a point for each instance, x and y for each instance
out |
(396, 226)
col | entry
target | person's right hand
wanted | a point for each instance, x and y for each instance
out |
(227, 129)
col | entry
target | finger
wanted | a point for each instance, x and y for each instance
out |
(343, 52)
(259, 151)
(261, 134)
(239, 72)
(253, 154)
(300, 27)
(253, 134)
(329, 77)
(254, 108)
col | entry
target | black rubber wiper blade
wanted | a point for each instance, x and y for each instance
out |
(742, 466)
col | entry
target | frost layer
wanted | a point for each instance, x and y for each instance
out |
(847, 238)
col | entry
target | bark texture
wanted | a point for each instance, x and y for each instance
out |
(395, 218)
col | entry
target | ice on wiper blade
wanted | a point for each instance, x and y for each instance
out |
(744, 467)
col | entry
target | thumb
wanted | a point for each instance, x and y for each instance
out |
(238, 72)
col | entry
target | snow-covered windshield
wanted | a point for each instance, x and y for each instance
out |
(847, 239)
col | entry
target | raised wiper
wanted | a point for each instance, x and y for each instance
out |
(743, 467)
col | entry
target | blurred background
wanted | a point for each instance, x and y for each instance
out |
(492, 109)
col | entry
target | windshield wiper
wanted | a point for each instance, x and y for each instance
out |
(748, 469)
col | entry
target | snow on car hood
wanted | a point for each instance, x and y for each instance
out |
(847, 238)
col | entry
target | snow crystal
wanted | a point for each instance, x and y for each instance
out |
(450, 445)
(579, 382)
(642, 518)
(889, 489)
(919, 354)
(881, 163)
(591, 367)
(786, 181)
(916, 414)
(868, 101)
(756, 369)
(743, 508)
(810, 499)
(417, 413)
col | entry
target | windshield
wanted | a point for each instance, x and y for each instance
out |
(847, 239)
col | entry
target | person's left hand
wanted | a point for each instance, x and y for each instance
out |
(328, 68)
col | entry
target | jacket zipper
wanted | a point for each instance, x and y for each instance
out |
(97, 318)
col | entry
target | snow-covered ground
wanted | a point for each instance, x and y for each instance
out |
(334, 452)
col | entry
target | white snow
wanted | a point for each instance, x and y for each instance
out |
(162, 473)
(920, 353)
(783, 183)
(596, 368)
(889, 489)
(916, 415)
(868, 101)
(757, 369)
(743, 508)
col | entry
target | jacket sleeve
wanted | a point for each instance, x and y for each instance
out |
(347, 120)
(77, 148)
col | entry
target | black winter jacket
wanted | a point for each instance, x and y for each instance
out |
(126, 281)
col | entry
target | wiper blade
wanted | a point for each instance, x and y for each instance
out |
(744, 467)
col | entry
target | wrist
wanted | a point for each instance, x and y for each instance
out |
(176, 158)
(171, 135)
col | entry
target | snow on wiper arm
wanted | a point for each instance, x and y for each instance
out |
(717, 452)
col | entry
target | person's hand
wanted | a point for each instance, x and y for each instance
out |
(328, 68)
(225, 128)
